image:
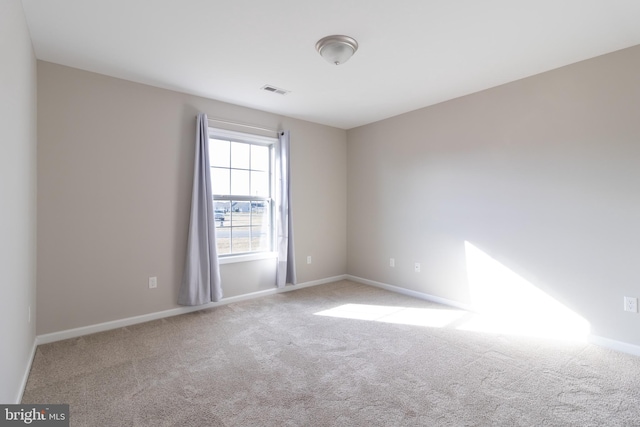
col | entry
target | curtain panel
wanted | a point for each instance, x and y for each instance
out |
(201, 278)
(286, 269)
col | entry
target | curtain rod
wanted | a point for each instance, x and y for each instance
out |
(228, 122)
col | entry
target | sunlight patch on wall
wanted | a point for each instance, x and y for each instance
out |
(510, 304)
(430, 317)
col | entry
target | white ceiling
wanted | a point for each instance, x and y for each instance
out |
(413, 53)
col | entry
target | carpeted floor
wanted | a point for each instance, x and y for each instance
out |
(275, 362)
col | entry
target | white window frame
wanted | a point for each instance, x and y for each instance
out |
(243, 137)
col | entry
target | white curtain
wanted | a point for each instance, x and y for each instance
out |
(286, 270)
(201, 279)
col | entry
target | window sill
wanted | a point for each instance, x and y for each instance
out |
(232, 259)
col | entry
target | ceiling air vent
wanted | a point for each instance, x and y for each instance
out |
(274, 89)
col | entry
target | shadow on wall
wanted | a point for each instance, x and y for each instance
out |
(504, 303)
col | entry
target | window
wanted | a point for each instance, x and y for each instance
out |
(242, 181)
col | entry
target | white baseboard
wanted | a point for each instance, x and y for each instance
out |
(410, 293)
(314, 283)
(25, 376)
(114, 324)
(615, 345)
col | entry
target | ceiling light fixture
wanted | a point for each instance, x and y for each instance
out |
(337, 49)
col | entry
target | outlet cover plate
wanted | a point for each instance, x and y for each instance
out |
(631, 304)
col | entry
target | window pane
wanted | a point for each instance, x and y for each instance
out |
(259, 184)
(260, 213)
(240, 183)
(219, 152)
(240, 215)
(240, 155)
(261, 226)
(260, 158)
(220, 215)
(223, 207)
(224, 244)
(220, 183)
(240, 239)
(260, 239)
(223, 239)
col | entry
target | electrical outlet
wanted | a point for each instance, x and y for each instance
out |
(309, 259)
(153, 282)
(392, 262)
(416, 267)
(631, 304)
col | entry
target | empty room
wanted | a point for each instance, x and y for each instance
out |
(337, 213)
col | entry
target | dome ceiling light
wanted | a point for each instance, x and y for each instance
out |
(337, 49)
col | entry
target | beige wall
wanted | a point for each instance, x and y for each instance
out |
(542, 174)
(17, 199)
(115, 162)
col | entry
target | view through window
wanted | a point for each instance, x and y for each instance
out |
(242, 186)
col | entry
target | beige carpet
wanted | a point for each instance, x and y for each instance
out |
(274, 362)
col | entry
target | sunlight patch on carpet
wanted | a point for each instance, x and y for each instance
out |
(430, 317)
